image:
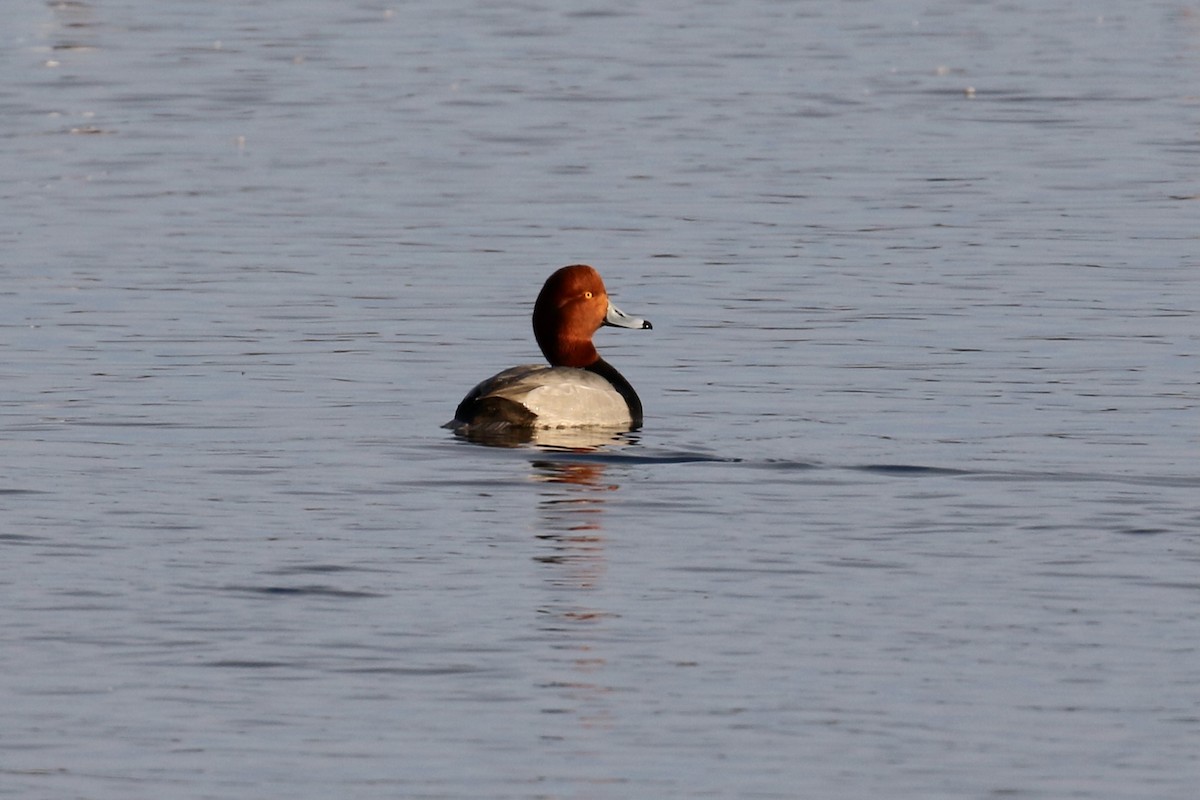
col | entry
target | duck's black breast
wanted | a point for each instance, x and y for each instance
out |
(623, 387)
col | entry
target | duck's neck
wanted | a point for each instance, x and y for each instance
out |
(623, 387)
(569, 352)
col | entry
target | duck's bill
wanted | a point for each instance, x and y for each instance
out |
(619, 319)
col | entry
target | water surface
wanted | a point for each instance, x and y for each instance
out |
(913, 512)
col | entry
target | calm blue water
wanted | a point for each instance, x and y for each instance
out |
(914, 511)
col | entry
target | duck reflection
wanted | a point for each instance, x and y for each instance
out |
(74, 27)
(572, 554)
(579, 439)
(571, 521)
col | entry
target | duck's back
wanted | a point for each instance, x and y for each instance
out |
(534, 395)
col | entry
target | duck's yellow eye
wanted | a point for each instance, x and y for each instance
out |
(587, 295)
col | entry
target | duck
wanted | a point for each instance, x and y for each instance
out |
(578, 388)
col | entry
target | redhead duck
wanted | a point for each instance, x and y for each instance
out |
(579, 388)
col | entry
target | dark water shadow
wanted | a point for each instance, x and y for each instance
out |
(907, 470)
(311, 590)
(626, 448)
